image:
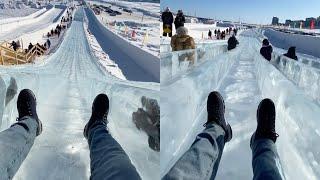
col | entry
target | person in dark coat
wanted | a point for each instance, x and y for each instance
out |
(232, 43)
(215, 32)
(292, 53)
(14, 45)
(48, 43)
(210, 34)
(30, 47)
(167, 19)
(179, 20)
(266, 49)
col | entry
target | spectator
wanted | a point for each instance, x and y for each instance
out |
(179, 20)
(167, 19)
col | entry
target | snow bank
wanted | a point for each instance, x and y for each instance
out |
(305, 44)
(147, 61)
(297, 122)
(13, 19)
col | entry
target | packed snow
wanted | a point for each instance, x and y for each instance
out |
(13, 8)
(65, 86)
(243, 78)
(36, 26)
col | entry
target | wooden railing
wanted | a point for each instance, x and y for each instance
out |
(9, 56)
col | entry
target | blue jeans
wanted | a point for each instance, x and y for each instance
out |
(15, 144)
(108, 159)
(265, 160)
(201, 160)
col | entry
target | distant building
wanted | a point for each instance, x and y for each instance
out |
(296, 24)
(288, 22)
(308, 21)
(275, 21)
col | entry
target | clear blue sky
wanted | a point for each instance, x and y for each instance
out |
(251, 11)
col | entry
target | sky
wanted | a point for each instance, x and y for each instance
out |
(249, 11)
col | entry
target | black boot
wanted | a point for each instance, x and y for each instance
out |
(216, 109)
(100, 109)
(26, 106)
(266, 116)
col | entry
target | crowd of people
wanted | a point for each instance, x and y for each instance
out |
(16, 45)
(221, 34)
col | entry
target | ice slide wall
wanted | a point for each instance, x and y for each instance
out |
(297, 114)
(145, 60)
(305, 44)
(304, 73)
(297, 121)
(188, 92)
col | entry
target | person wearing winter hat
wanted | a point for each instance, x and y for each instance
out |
(167, 20)
(266, 49)
(291, 53)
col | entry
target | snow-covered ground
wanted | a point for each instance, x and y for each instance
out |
(244, 78)
(65, 86)
(34, 27)
(12, 8)
(145, 24)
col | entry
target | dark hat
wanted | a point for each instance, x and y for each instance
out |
(265, 42)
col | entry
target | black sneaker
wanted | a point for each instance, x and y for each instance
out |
(26, 106)
(266, 116)
(216, 109)
(100, 109)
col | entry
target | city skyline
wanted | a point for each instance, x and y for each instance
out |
(256, 12)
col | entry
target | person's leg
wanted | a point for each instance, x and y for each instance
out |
(108, 159)
(16, 142)
(265, 159)
(201, 160)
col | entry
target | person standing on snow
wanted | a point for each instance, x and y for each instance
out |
(167, 20)
(291, 53)
(266, 49)
(210, 34)
(179, 20)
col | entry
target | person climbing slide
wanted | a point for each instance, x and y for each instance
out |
(108, 159)
(201, 160)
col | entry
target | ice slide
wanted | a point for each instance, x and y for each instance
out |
(65, 86)
(244, 78)
(135, 63)
(15, 29)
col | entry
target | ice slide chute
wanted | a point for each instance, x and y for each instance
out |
(244, 78)
(65, 85)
